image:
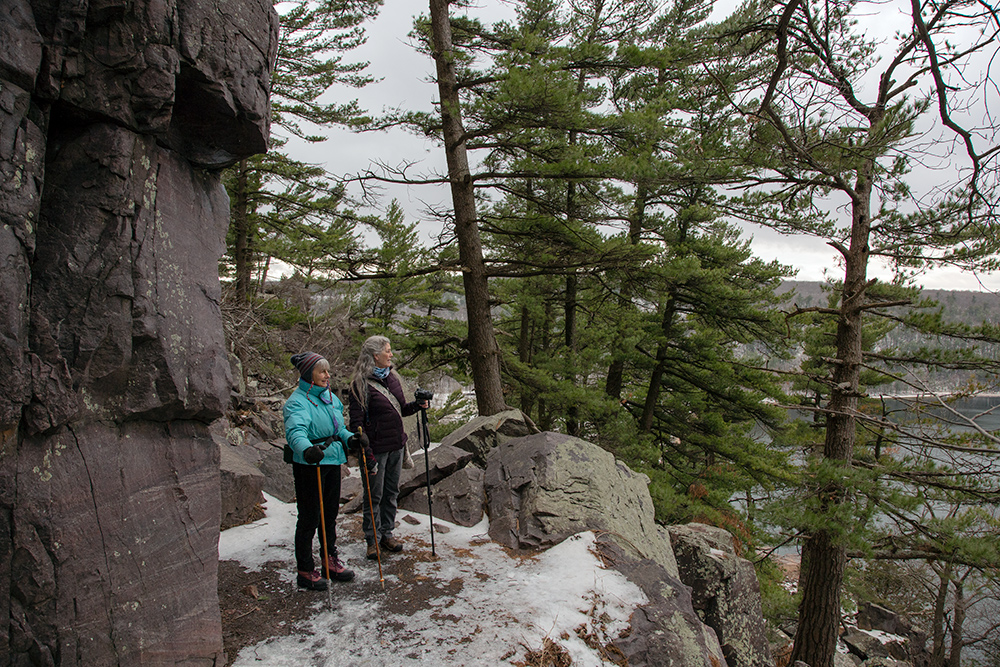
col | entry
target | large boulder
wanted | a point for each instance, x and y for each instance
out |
(440, 462)
(725, 592)
(457, 499)
(665, 631)
(278, 479)
(241, 489)
(542, 488)
(911, 644)
(114, 118)
(482, 434)
(864, 645)
(885, 662)
(266, 457)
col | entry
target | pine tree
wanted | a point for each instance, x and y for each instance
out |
(273, 195)
(815, 129)
(546, 227)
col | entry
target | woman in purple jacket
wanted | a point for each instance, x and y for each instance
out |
(377, 406)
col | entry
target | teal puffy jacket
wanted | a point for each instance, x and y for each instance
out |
(308, 417)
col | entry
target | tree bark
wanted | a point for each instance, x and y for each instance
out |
(937, 622)
(242, 249)
(957, 625)
(819, 610)
(616, 370)
(660, 369)
(484, 353)
(524, 356)
(544, 414)
(667, 331)
(572, 422)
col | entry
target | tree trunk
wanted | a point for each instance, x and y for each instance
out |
(955, 654)
(572, 424)
(524, 356)
(667, 331)
(242, 250)
(819, 610)
(544, 414)
(484, 353)
(660, 369)
(937, 622)
(616, 370)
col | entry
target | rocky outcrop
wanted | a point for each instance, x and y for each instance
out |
(442, 462)
(458, 498)
(245, 455)
(542, 488)
(724, 591)
(482, 434)
(864, 645)
(241, 488)
(703, 608)
(910, 644)
(111, 343)
(666, 630)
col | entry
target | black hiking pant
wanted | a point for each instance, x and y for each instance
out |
(307, 504)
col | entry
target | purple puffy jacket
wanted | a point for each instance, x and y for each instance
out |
(381, 422)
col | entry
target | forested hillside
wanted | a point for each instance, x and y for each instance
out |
(958, 305)
(962, 307)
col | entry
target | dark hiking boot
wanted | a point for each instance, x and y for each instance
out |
(337, 570)
(311, 581)
(390, 543)
(372, 551)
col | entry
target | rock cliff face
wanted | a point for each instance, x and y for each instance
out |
(113, 116)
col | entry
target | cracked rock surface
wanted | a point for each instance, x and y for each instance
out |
(114, 120)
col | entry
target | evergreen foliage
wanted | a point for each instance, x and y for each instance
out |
(616, 148)
(815, 129)
(283, 208)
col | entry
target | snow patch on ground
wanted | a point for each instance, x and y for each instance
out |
(492, 606)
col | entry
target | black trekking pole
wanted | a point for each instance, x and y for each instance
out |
(425, 395)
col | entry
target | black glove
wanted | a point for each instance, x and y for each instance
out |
(357, 441)
(313, 455)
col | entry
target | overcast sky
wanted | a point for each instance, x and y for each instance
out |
(405, 81)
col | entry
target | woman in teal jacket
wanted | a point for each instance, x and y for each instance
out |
(314, 430)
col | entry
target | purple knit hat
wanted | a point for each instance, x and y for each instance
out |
(304, 361)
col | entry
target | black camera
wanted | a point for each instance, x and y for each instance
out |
(423, 395)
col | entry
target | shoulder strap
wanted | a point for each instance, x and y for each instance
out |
(388, 394)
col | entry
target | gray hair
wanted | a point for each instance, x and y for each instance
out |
(364, 366)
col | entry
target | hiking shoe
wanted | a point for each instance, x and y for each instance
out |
(337, 570)
(372, 551)
(311, 581)
(390, 543)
